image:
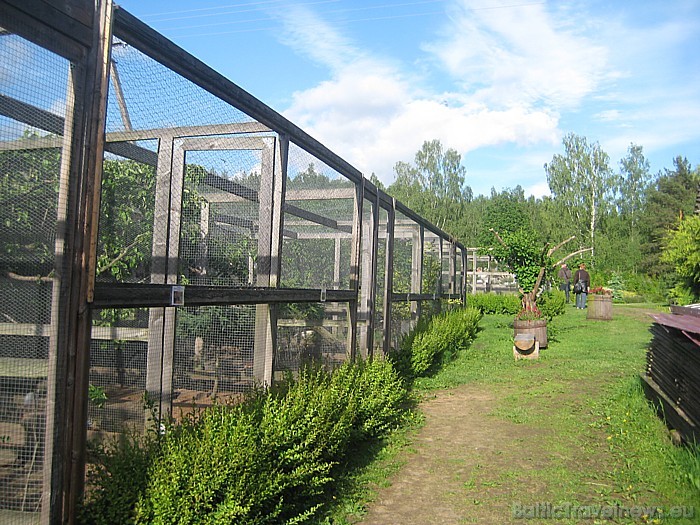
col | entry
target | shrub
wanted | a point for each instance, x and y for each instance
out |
(266, 460)
(552, 304)
(118, 475)
(491, 303)
(383, 398)
(440, 340)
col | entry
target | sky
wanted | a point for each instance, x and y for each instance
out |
(499, 81)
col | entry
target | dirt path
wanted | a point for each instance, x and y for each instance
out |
(469, 466)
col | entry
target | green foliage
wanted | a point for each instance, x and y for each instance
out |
(97, 395)
(269, 459)
(552, 303)
(434, 186)
(437, 341)
(671, 197)
(491, 303)
(126, 218)
(505, 212)
(117, 476)
(28, 209)
(583, 183)
(524, 255)
(682, 251)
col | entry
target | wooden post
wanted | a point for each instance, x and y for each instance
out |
(440, 286)
(368, 288)
(356, 246)
(87, 152)
(474, 271)
(60, 297)
(159, 271)
(336, 265)
(389, 275)
(452, 269)
(203, 255)
(417, 271)
(265, 332)
(463, 276)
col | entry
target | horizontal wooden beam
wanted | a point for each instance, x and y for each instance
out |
(320, 194)
(157, 295)
(98, 332)
(234, 128)
(407, 297)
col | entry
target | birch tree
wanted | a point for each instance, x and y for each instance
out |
(582, 181)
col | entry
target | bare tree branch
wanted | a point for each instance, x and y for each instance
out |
(562, 243)
(498, 237)
(30, 278)
(122, 254)
(571, 255)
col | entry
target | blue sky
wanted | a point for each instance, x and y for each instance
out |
(500, 81)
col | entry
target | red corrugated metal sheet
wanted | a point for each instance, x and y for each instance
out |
(687, 323)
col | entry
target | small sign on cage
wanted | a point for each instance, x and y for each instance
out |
(177, 296)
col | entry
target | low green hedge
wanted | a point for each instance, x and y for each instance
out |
(272, 458)
(436, 341)
(491, 303)
(267, 460)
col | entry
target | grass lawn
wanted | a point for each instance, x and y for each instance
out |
(583, 401)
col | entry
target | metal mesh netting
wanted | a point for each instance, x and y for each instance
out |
(34, 94)
(220, 217)
(317, 224)
(191, 204)
(118, 364)
(126, 219)
(213, 354)
(310, 332)
(144, 94)
(406, 262)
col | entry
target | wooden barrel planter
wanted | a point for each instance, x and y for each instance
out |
(599, 307)
(537, 327)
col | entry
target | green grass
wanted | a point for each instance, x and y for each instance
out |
(584, 395)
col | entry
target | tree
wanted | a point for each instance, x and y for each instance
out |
(682, 251)
(505, 212)
(582, 181)
(28, 210)
(530, 261)
(434, 186)
(634, 182)
(671, 197)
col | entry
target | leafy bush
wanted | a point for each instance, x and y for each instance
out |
(491, 303)
(438, 341)
(266, 460)
(118, 475)
(552, 304)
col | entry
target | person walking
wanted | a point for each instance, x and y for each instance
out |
(564, 276)
(581, 291)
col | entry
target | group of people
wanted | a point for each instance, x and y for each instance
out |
(580, 276)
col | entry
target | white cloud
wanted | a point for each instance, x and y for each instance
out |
(518, 55)
(541, 189)
(506, 76)
(373, 114)
(308, 34)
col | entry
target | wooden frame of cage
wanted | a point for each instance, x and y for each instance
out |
(81, 31)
